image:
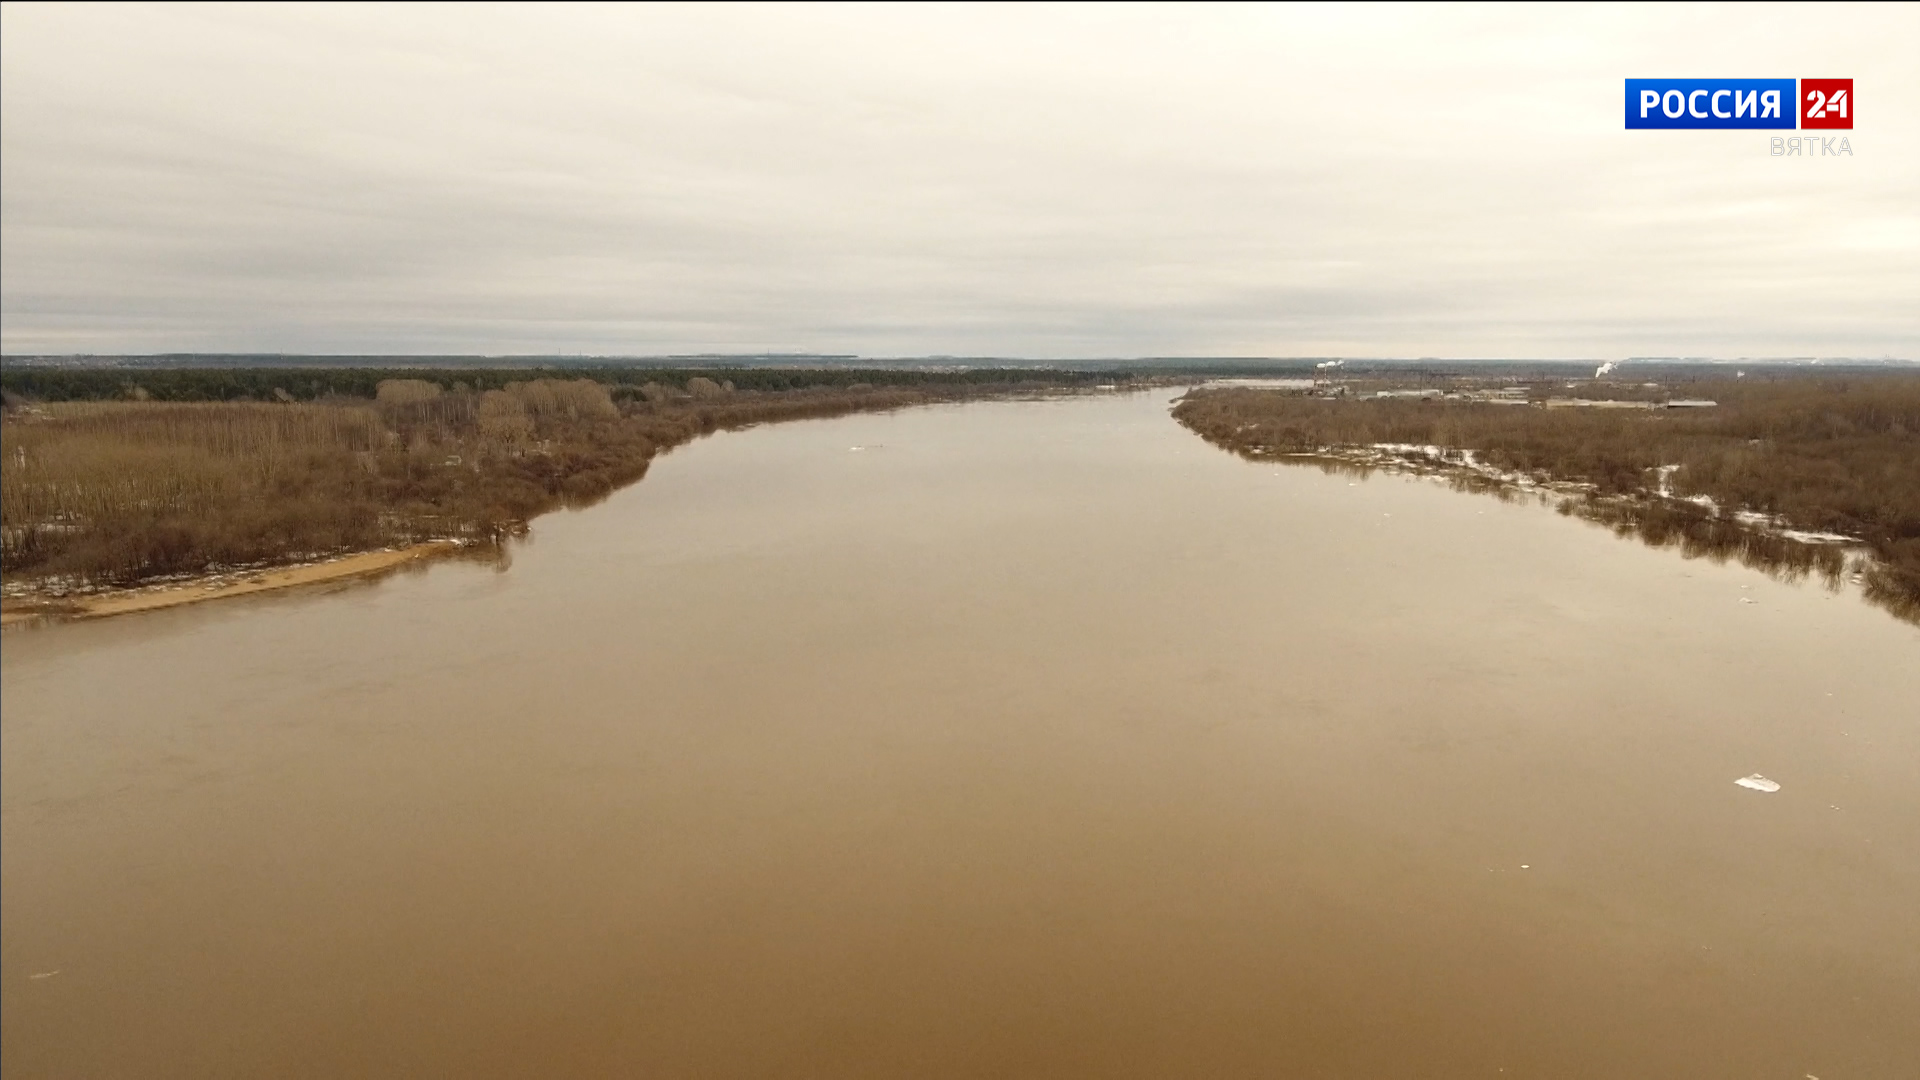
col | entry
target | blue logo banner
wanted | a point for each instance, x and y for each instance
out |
(1711, 103)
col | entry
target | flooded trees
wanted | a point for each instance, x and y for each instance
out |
(1780, 474)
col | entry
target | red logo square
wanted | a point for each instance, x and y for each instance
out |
(1826, 103)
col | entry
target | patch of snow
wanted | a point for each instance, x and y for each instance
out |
(1756, 782)
(1809, 537)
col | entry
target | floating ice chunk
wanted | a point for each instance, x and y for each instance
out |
(1756, 782)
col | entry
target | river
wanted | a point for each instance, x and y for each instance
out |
(995, 739)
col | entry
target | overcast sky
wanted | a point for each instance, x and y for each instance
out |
(1055, 183)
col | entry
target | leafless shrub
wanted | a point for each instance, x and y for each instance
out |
(393, 392)
(502, 418)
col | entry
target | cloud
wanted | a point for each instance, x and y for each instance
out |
(894, 181)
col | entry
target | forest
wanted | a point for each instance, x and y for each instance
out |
(302, 383)
(1772, 456)
(181, 479)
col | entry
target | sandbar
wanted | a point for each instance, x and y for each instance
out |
(217, 586)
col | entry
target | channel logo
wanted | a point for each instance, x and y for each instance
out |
(1826, 103)
(1740, 103)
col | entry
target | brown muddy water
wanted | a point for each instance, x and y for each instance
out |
(1031, 739)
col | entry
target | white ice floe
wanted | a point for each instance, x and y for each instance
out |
(1809, 537)
(1756, 782)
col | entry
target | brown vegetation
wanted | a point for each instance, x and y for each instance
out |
(1825, 455)
(96, 494)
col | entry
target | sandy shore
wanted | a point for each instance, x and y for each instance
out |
(217, 587)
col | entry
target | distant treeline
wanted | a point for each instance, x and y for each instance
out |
(51, 384)
(1839, 455)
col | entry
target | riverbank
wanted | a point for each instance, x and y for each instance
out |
(1795, 475)
(123, 506)
(217, 586)
(1693, 523)
(118, 495)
